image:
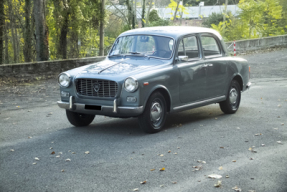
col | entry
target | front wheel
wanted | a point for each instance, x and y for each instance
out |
(79, 119)
(231, 104)
(153, 118)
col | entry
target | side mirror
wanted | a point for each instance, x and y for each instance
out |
(183, 58)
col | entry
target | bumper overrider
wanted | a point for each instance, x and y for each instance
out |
(114, 111)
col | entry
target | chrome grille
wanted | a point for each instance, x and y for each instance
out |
(107, 88)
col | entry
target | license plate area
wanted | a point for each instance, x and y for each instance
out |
(93, 107)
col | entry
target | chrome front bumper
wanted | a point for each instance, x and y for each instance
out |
(248, 85)
(115, 111)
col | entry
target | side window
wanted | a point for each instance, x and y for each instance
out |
(181, 51)
(188, 47)
(210, 46)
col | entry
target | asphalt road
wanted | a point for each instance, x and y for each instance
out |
(196, 143)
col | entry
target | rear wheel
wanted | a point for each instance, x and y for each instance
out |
(231, 104)
(153, 118)
(79, 119)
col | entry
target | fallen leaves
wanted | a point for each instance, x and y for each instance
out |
(53, 153)
(162, 169)
(34, 163)
(143, 182)
(152, 169)
(220, 168)
(12, 150)
(234, 161)
(214, 176)
(68, 159)
(236, 189)
(218, 184)
(87, 152)
(279, 142)
(37, 159)
(136, 189)
(62, 170)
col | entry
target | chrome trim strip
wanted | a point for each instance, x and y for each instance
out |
(108, 67)
(115, 106)
(221, 98)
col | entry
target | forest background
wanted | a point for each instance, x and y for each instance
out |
(40, 30)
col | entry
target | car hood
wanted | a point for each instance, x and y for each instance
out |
(119, 66)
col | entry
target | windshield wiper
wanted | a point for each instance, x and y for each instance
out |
(132, 52)
(116, 55)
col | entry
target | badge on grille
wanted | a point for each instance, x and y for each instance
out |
(97, 87)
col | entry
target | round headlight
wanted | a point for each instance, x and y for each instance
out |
(64, 80)
(131, 85)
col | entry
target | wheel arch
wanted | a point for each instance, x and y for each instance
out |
(164, 91)
(239, 79)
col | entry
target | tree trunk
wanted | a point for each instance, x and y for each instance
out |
(143, 14)
(102, 35)
(63, 35)
(42, 34)
(148, 11)
(130, 14)
(2, 29)
(11, 26)
(7, 60)
(175, 12)
(27, 51)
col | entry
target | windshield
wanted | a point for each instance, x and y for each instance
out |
(143, 45)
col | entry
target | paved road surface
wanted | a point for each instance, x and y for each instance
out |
(121, 156)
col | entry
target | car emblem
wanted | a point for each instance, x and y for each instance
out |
(97, 87)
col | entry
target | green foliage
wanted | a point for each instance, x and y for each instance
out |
(214, 18)
(258, 18)
(155, 20)
(153, 16)
(180, 9)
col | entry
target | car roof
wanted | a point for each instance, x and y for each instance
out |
(171, 31)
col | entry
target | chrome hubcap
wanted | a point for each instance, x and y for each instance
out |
(155, 112)
(233, 96)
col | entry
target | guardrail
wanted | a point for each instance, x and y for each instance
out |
(244, 46)
(50, 69)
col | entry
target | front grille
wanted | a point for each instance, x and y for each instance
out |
(86, 87)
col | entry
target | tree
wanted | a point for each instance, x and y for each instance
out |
(102, 22)
(2, 30)
(27, 51)
(41, 31)
(143, 13)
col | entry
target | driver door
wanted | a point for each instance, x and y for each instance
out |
(192, 72)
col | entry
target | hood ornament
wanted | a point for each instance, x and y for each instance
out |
(97, 87)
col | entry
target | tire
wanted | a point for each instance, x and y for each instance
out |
(154, 116)
(231, 104)
(79, 119)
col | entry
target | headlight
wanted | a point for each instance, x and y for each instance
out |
(64, 79)
(131, 85)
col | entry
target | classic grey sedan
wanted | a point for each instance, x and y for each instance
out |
(151, 72)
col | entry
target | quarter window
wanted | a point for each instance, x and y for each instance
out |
(210, 46)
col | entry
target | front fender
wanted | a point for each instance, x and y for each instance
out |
(160, 88)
